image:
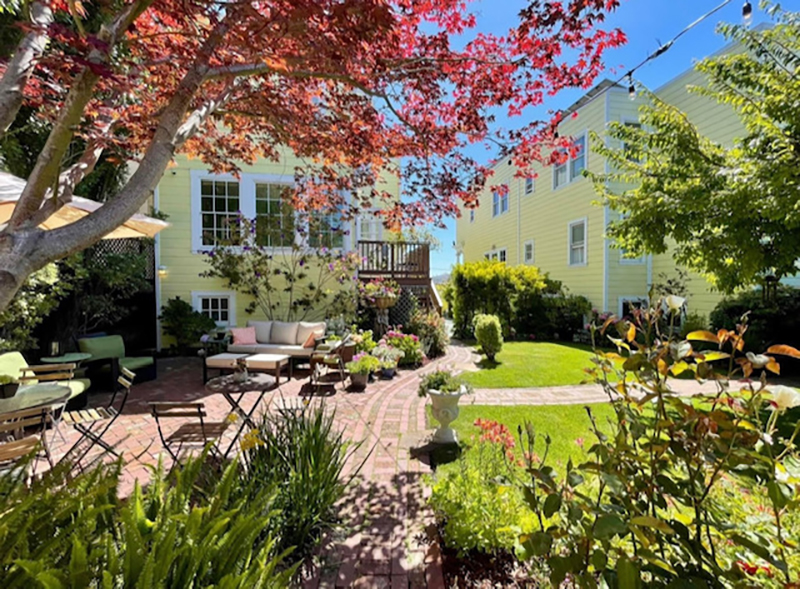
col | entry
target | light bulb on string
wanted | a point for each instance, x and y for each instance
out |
(631, 87)
(747, 14)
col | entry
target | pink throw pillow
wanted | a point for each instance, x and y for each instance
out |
(244, 336)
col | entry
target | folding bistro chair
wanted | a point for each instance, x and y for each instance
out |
(15, 451)
(198, 433)
(15, 444)
(326, 359)
(93, 423)
(53, 374)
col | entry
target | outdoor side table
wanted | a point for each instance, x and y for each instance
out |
(70, 358)
(234, 391)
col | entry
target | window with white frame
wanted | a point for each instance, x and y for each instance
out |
(219, 306)
(577, 243)
(326, 229)
(527, 252)
(370, 227)
(628, 304)
(625, 257)
(529, 186)
(219, 206)
(499, 202)
(472, 215)
(496, 255)
(577, 162)
(275, 219)
(573, 165)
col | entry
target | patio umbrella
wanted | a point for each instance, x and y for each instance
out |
(137, 226)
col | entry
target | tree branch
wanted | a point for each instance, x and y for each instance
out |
(20, 68)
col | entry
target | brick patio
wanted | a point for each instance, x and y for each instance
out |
(384, 541)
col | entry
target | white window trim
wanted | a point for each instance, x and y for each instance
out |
(247, 204)
(525, 186)
(570, 225)
(472, 215)
(500, 211)
(199, 294)
(631, 299)
(488, 255)
(525, 244)
(360, 217)
(630, 261)
(567, 163)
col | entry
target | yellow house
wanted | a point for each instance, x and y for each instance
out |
(198, 204)
(552, 221)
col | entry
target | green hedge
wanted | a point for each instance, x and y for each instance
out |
(527, 302)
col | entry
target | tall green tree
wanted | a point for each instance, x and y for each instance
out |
(730, 212)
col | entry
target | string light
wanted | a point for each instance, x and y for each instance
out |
(631, 87)
(747, 14)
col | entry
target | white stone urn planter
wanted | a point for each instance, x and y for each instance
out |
(445, 411)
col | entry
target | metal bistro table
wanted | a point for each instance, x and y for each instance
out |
(35, 395)
(234, 392)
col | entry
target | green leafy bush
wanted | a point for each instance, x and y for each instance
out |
(769, 321)
(693, 322)
(363, 363)
(442, 381)
(182, 322)
(408, 343)
(364, 340)
(73, 531)
(302, 456)
(432, 332)
(489, 334)
(476, 500)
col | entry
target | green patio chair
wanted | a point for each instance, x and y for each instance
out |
(108, 355)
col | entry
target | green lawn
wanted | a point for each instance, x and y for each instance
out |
(564, 423)
(533, 364)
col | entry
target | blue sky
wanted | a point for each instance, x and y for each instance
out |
(646, 23)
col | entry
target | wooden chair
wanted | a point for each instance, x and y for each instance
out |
(47, 373)
(15, 444)
(198, 433)
(325, 361)
(93, 423)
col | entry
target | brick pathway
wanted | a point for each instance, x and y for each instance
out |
(384, 541)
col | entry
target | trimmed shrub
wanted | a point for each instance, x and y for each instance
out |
(182, 322)
(489, 335)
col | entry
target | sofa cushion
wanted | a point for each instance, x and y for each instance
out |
(244, 336)
(242, 349)
(102, 348)
(305, 329)
(286, 349)
(11, 363)
(283, 333)
(77, 386)
(263, 330)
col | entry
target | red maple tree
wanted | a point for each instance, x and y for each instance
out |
(353, 87)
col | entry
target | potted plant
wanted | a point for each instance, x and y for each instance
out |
(444, 390)
(389, 356)
(360, 368)
(8, 386)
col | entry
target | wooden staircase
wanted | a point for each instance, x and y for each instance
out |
(407, 263)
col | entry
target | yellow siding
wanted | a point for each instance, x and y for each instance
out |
(184, 266)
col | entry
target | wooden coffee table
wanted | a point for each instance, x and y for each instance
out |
(269, 363)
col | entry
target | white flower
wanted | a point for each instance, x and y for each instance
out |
(675, 303)
(781, 474)
(758, 360)
(784, 397)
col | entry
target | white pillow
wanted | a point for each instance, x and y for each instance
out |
(305, 329)
(283, 333)
(263, 330)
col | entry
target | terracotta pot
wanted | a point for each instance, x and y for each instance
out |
(445, 411)
(359, 381)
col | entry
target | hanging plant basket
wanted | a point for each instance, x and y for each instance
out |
(384, 302)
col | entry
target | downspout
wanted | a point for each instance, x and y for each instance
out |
(157, 255)
(606, 210)
(519, 221)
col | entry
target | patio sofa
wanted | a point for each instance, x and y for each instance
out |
(294, 339)
(12, 364)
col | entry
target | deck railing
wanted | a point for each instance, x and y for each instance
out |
(403, 262)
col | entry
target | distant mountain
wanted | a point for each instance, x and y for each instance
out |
(440, 278)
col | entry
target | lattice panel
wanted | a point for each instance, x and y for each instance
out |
(406, 304)
(105, 247)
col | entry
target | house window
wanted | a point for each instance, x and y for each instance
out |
(529, 186)
(499, 203)
(573, 166)
(326, 230)
(527, 251)
(274, 216)
(496, 255)
(578, 163)
(219, 306)
(627, 305)
(219, 207)
(472, 215)
(577, 243)
(369, 227)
